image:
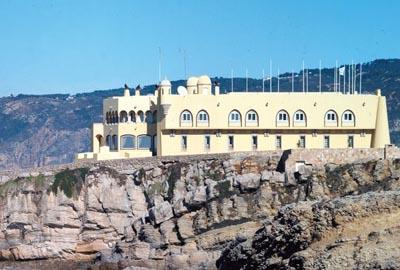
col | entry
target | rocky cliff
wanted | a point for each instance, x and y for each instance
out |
(228, 212)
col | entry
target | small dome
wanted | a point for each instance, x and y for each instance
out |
(165, 83)
(192, 81)
(204, 80)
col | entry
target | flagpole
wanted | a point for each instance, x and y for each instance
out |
(344, 80)
(270, 75)
(263, 80)
(292, 80)
(303, 77)
(348, 85)
(320, 75)
(247, 81)
(340, 90)
(278, 79)
(307, 80)
(231, 80)
(334, 78)
(360, 76)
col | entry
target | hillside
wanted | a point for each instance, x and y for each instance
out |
(39, 130)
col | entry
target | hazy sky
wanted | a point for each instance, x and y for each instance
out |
(75, 46)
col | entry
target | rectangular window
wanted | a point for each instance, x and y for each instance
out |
(326, 142)
(184, 142)
(231, 142)
(254, 142)
(350, 141)
(278, 142)
(302, 142)
(207, 142)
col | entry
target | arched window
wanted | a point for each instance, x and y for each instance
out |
(123, 117)
(202, 118)
(251, 118)
(144, 141)
(149, 117)
(100, 142)
(114, 143)
(115, 117)
(348, 118)
(107, 118)
(186, 118)
(331, 118)
(234, 118)
(282, 119)
(155, 145)
(108, 141)
(128, 142)
(299, 118)
(132, 116)
(140, 116)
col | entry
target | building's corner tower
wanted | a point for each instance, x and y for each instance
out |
(381, 135)
(204, 85)
(191, 85)
(126, 91)
(164, 93)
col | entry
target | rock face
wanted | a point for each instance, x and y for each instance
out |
(232, 213)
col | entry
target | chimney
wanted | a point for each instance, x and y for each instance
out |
(126, 91)
(216, 88)
(137, 90)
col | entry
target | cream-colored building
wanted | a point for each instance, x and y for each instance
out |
(201, 120)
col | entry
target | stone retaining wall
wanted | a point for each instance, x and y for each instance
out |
(289, 158)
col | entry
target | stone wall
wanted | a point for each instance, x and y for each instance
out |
(315, 157)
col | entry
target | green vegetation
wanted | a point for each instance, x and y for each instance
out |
(12, 185)
(156, 188)
(214, 175)
(175, 175)
(223, 188)
(69, 181)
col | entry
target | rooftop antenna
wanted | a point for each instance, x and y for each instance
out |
(320, 75)
(159, 64)
(335, 77)
(303, 77)
(247, 81)
(278, 79)
(360, 76)
(292, 80)
(263, 77)
(270, 75)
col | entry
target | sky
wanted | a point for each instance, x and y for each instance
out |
(72, 46)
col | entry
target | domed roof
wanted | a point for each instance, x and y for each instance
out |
(204, 79)
(192, 81)
(165, 83)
